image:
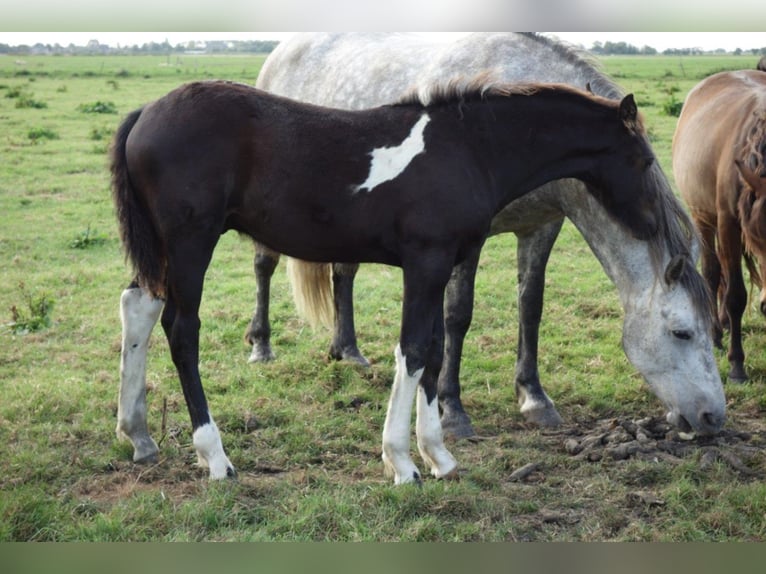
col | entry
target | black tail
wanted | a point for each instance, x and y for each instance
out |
(139, 237)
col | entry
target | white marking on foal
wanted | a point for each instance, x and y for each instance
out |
(210, 453)
(139, 312)
(396, 431)
(430, 441)
(388, 163)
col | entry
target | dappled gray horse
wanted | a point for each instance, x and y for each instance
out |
(666, 332)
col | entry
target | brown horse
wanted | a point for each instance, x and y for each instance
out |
(719, 162)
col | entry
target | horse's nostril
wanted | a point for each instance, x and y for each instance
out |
(712, 421)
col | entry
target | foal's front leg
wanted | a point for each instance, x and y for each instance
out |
(139, 312)
(418, 358)
(396, 430)
(428, 428)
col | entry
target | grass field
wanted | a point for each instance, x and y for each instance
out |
(303, 431)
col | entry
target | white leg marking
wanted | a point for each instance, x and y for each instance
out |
(210, 453)
(396, 430)
(389, 162)
(529, 404)
(139, 312)
(430, 442)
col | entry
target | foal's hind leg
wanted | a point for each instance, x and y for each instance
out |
(187, 263)
(139, 312)
(533, 252)
(344, 346)
(258, 332)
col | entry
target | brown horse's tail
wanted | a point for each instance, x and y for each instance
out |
(139, 236)
(311, 285)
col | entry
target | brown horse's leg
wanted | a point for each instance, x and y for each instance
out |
(258, 332)
(735, 295)
(188, 259)
(344, 346)
(711, 271)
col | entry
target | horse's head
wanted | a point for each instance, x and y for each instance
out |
(624, 180)
(667, 336)
(752, 215)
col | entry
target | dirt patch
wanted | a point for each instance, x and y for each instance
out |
(655, 440)
(119, 480)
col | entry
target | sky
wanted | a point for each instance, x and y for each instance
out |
(728, 41)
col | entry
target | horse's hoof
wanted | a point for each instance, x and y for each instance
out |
(145, 450)
(737, 376)
(457, 425)
(452, 476)
(350, 355)
(261, 355)
(358, 358)
(545, 418)
(148, 458)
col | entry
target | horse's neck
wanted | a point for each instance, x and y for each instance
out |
(558, 141)
(626, 260)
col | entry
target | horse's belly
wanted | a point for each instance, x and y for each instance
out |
(530, 211)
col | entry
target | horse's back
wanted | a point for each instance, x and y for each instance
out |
(342, 70)
(359, 70)
(709, 132)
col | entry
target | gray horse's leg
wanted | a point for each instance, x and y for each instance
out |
(344, 345)
(533, 252)
(139, 312)
(458, 311)
(258, 332)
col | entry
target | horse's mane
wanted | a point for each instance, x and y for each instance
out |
(677, 236)
(583, 60)
(462, 89)
(751, 207)
(754, 148)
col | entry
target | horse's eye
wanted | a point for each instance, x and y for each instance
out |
(681, 334)
(647, 161)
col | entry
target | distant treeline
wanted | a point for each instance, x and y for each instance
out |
(629, 49)
(152, 48)
(265, 46)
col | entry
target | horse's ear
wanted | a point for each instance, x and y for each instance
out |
(675, 269)
(628, 110)
(757, 184)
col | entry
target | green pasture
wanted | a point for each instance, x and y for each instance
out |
(304, 431)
